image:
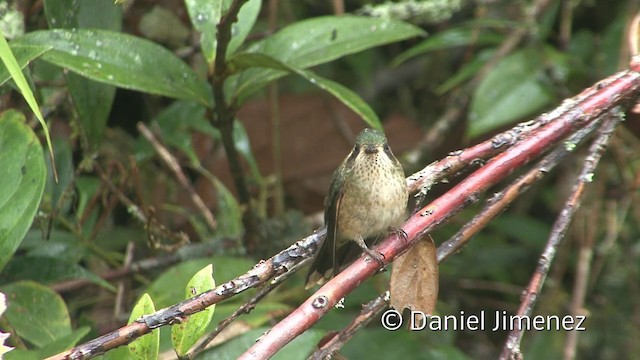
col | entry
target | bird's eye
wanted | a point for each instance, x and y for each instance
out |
(386, 147)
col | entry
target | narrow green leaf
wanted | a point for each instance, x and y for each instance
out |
(466, 72)
(316, 41)
(448, 39)
(121, 60)
(229, 214)
(148, 346)
(92, 100)
(346, 96)
(23, 55)
(242, 143)
(205, 16)
(15, 71)
(185, 334)
(22, 178)
(240, 29)
(515, 87)
(36, 313)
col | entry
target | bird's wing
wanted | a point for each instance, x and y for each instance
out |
(325, 263)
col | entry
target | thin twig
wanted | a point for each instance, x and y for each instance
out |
(174, 166)
(369, 310)
(511, 348)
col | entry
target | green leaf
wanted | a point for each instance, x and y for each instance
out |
(91, 99)
(177, 122)
(15, 71)
(72, 14)
(448, 39)
(346, 96)
(229, 214)
(146, 347)
(64, 342)
(186, 333)
(243, 145)
(299, 348)
(22, 178)
(66, 174)
(246, 19)
(50, 270)
(466, 72)
(165, 292)
(515, 87)
(23, 54)
(121, 60)
(205, 16)
(36, 313)
(317, 41)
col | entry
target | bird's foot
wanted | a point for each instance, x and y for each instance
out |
(399, 232)
(376, 255)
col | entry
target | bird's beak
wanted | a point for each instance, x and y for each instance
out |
(370, 149)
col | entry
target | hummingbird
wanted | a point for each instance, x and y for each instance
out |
(367, 197)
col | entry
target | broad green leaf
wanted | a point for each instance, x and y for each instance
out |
(121, 60)
(316, 41)
(20, 354)
(515, 87)
(346, 96)
(23, 55)
(448, 39)
(11, 64)
(185, 334)
(22, 178)
(36, 313)
(146, 347)
(64, 342)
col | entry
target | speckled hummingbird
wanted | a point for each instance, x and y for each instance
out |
(367, 197)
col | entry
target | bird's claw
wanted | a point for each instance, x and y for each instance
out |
(399, 232)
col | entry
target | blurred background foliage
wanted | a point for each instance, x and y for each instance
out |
(484, 66)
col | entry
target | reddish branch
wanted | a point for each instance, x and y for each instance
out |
(528, 141)
(607, 94)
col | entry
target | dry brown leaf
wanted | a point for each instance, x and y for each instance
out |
(414, 278)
